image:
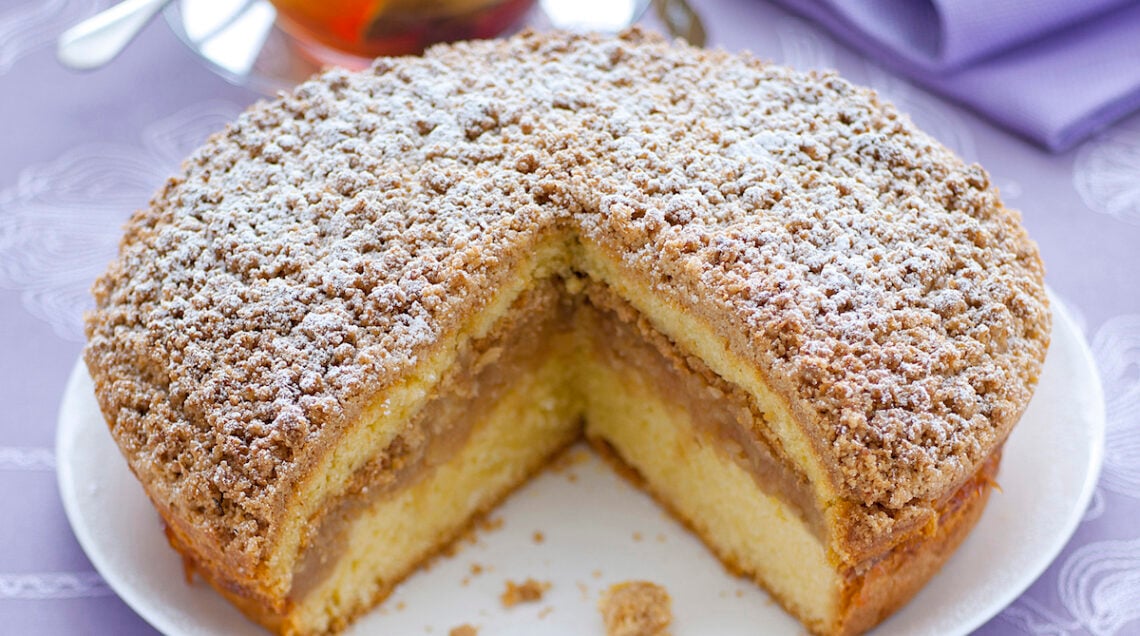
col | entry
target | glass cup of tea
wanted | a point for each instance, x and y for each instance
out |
(352, 32)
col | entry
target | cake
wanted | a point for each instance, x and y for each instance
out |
(368, 310)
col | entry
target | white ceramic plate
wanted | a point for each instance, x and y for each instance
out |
(598, 530)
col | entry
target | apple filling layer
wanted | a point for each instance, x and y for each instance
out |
(484, 372)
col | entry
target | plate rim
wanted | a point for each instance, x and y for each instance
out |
(1062, 315)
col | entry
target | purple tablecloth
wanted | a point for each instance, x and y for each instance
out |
(1055, 71)
(79, 152)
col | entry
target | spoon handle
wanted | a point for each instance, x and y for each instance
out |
(97, 40)
(681, 21)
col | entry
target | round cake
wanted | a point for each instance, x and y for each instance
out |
(368, 310)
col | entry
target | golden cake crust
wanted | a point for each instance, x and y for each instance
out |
(313, 252)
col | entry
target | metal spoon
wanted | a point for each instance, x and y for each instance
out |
(681, 20)
(97, 40)
(611, 16)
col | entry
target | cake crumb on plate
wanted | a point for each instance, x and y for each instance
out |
(636, 608)
(528, 591)
(489, 524)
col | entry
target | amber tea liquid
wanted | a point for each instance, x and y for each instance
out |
(339, 30)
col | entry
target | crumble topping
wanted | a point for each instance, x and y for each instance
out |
(312, 251)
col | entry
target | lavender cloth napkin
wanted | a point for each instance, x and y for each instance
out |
(1054, 71)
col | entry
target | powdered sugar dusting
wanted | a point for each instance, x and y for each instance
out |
(315, 249)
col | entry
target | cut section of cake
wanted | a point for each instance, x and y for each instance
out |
(367, 311)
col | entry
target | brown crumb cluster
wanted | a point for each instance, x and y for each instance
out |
(529, 591)
(463, 630)
(636, 608)
(489, 524)
(569, 458)
(309, 254)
